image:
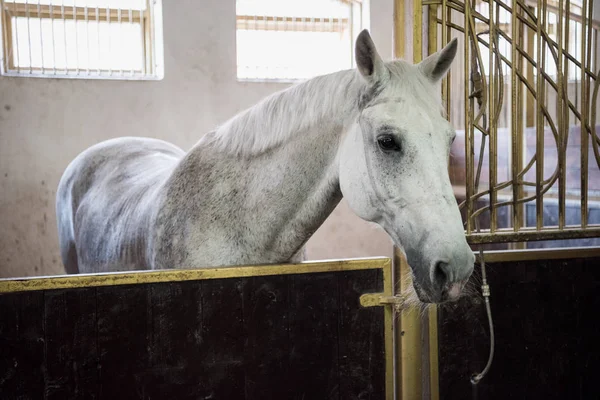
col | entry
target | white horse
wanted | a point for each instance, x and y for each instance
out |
(257, 188)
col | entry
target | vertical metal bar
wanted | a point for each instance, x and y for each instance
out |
(143, 42)
(432, 44)
(399, 52)
(408, 339)
(584, 116)
(28, 35)
(399, 23)
(17, 56)
(109, 34)
(131, 29)
(39, 16)
(51, 8)
(5, 17)
(514, 119)
(389, 322)
(539, 129)
(64, 21)
(120, 22)
(86, 18)
(417, 31)
(469, 152)
(446, 85)
(560, 114)
(493, 126)
(76, 38)
(98, 52)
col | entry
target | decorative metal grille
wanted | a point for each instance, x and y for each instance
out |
(524, 93)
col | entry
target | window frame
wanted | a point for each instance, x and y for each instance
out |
(152, 39)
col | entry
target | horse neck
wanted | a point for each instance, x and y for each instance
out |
(285, 159)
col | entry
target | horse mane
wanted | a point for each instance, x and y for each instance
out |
(289, 112)
(283, 114)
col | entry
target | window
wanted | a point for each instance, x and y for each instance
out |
(110, 39)
(295, 39)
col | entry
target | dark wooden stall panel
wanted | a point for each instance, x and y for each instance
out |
(301, 336)
(547, 334)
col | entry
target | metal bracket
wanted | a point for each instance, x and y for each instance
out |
(380, 299)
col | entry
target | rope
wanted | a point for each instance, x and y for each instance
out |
(478, 91)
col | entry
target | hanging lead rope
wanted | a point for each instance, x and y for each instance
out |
(478, 92)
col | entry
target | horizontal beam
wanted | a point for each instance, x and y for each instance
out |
(527, 235)
(71, 13)
(291, 24)
(11, 285)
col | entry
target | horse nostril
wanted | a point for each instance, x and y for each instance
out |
(441, 273)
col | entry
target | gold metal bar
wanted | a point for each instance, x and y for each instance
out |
(540, 254)
(389, 312)
(493, 126)
(539, 131)
(562, 128)
(469, 152)
(179, 275)
(408, 340)
(584, 117)
(447, 83)
(516, 155)
(399, 24)
(432, 327)
(432, 29)
(417, 31)
(434, 381)
(526, 235)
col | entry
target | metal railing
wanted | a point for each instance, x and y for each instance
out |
(524, 93)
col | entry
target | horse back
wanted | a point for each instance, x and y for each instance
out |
(105, 202)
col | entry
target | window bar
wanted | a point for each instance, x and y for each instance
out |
(152, 35)
(4, 17)
(39, 15)
(28, 36)
(131, 28)
(64, 22)
(120, 22)
(98, 53)
(143, 41)
(255, 66)
(109, 34)
(86, 18)
(51, 9)
(76, 38)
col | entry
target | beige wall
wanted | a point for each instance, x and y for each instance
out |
(45, 123)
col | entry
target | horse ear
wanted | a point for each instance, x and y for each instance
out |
(437, 65)
(368, 61)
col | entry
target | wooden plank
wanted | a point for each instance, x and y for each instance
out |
(22, 345)
(361, 348)
(71, 354)
(267, 347)
(123, 335)
(223, 339)
(313, 331)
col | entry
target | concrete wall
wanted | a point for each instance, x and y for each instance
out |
(45, 123)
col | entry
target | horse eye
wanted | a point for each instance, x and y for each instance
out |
(452, 140)
(387, 142)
